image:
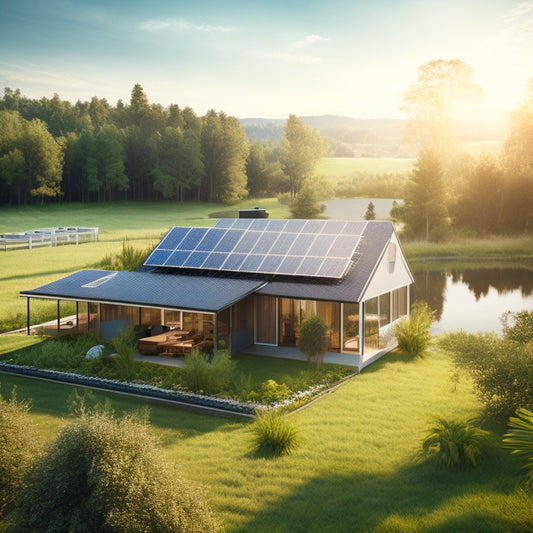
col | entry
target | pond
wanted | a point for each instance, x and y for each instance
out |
(472, 298)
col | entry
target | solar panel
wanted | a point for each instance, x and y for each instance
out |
(313, 248)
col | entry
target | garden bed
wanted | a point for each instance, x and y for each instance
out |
(272, 384)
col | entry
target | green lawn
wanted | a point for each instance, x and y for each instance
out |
(355, 470)
(143, 224)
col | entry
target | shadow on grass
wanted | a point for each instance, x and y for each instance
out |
(418, 497)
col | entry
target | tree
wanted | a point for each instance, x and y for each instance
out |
(225, 148)
(370, 212)
(518, 162)
(19, 446)
(480, 206)
(301, 148)
(110, 157)
(314, 338)
(443, 89)
(426, 213)
(306, 204)
(107, 474)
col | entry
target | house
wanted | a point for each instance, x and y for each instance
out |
(250, 282)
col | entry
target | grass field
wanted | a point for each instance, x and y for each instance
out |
(355, 470)
(339, 168)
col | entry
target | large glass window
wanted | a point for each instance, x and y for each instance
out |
(350, 333)
(289, 321)
(371, 324)
(265, 319)
(384, 309)
(330, 313)
(109, 312)
(399, 303)
(242, 315)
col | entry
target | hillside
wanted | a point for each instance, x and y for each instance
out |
(353, 137)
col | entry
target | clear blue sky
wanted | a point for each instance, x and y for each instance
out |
(264, 58)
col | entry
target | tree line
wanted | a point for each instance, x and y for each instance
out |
(91, 151)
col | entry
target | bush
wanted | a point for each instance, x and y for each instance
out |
(272, 392)
(518, 327)
(454, 444)
(502, 370)
(207, 374)
(129, 258)
(412, 333)
(19, 446)
(274, 434)
(519, 439)
(61, 353)
(106, 474)
(124, 346)
(314, 338)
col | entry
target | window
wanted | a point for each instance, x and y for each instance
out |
(350, 333)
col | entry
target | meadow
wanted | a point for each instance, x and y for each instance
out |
(356, 469)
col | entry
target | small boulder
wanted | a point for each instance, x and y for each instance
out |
(94, 352)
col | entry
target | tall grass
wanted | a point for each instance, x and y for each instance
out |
(412, 332)
(274, 434)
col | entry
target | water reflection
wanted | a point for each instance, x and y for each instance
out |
(472, 298)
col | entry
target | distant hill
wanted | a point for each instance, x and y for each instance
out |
(366, 137)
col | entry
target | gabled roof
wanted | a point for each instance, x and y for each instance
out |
(170, 291)
(371, 248)
(208, 291)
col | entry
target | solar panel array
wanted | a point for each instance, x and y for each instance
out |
(312, 248)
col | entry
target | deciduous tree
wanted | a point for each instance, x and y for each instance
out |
(443, 89)
(301, 148)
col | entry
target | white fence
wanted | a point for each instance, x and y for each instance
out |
(48, 237)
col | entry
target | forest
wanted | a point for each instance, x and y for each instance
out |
(52, 150)
(93, 152)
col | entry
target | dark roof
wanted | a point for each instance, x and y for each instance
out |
(371, 247)
(195, 293)
(198, 291)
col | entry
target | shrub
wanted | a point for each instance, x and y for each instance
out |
(518, 327)
(272, 392)
(109, 475)
(274, 434)
(412, 333)
(314, 338)
(207, 374)
(124, 346)
(129, 258)
(19, 446)
(502, 370)
(61, 353)
(453, 444)
(519, 439)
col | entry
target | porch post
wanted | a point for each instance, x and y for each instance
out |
(77, 313)
(361, 329)
(215, 333)
(28, 315)
(58, 318)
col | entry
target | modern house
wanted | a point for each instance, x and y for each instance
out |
(250, 282)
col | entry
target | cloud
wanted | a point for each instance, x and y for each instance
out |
(181, 24)
(518, 25)
(291, 54)
(307, 41)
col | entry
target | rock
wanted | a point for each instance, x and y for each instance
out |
(94, 352)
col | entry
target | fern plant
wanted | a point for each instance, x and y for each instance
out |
(519, 439)
(453, 443)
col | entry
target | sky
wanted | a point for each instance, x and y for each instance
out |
(264, 58)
